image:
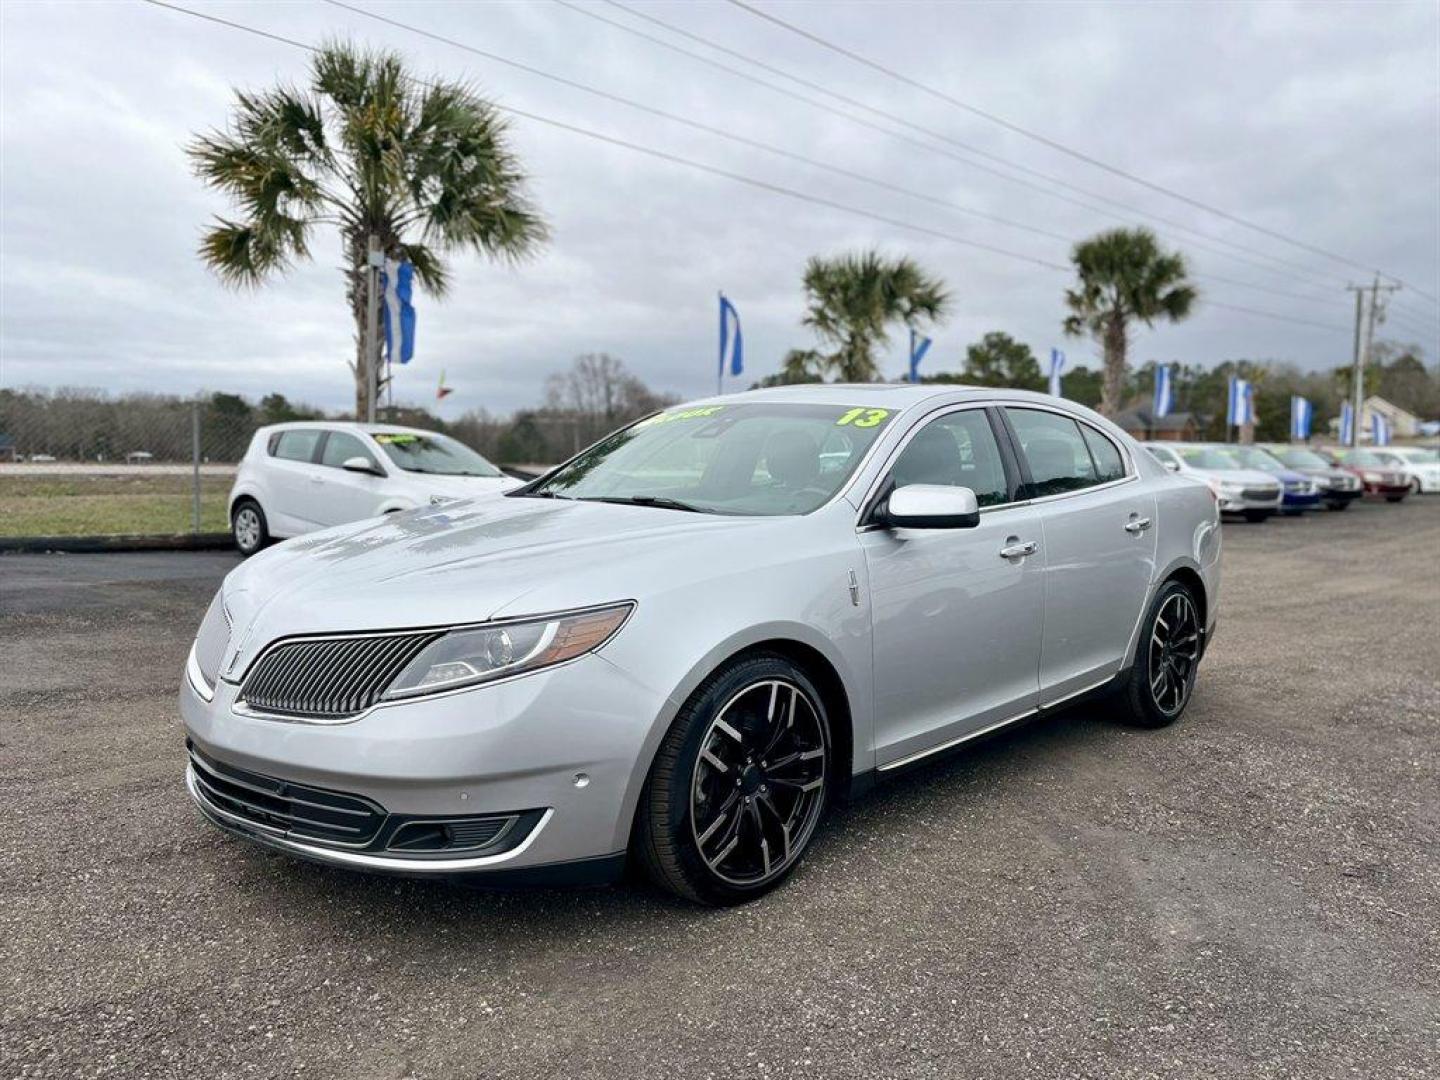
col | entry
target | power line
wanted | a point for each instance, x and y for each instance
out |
(1046, 141)
(726, 174)
(1130, 211)
(760, 145)
(664, 155)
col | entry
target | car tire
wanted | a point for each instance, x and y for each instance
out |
(248, 527)
(1415, 487)
(1394, 498)
(1338, 505)
(1257, 516)
(1162, 678)
(760, 722)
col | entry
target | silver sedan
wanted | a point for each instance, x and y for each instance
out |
(680, 647)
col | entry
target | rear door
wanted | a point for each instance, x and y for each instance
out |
(1098, 526)
(291, 477)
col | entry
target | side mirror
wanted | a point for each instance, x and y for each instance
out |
(361, 465)
(932, 506)
(1171, 466)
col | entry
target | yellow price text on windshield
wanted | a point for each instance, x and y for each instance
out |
(684, 414)
(864, 418)
(397, 439)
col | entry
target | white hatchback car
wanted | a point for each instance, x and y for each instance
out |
(299, 477)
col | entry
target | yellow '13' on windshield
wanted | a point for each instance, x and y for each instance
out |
(864, 417)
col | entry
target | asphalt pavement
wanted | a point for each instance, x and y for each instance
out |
(1254, 892)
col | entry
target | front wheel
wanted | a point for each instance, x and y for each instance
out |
(248, 527)
(1394, 498)
(1338, 505)
(739, 784)
(1257, 516)
(1166, 660)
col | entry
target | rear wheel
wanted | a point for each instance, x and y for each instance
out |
(1166, 661)
(739, 784)
(248, 527)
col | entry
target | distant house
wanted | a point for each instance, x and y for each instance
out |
(7, 447)
(1144, 425)
(1403, 424)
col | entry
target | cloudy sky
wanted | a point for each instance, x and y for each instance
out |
(1318, 121)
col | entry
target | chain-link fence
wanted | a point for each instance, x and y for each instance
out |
(85, 466)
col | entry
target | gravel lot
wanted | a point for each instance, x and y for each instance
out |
(1253, 893)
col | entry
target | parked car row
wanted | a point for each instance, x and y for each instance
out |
(1256, 481)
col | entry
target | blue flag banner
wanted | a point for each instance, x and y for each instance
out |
(919, 346)
(1379, 429)
(1302, 413)
(1240, 405)
(1347, 423)
(1164, 392)
(1057, 365)
(397, 280)
(732, 344)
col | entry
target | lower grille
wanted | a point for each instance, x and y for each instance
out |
(1259, 494)
(297, 810)
(329, 678)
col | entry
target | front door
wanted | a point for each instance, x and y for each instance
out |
(956, 625)
(341, 495)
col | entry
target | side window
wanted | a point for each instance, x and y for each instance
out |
(1109, 465)
(296, 445)
(1055, 451)
(958, 450)
(340, 448)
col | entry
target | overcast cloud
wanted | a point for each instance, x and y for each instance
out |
(1321, 121)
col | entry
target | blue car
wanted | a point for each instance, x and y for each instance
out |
(1301, 492)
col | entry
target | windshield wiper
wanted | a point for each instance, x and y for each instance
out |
(662, 501)
(542, 495)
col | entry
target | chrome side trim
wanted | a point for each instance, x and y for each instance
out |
(908, 759)
(919, 754)
(355, 859)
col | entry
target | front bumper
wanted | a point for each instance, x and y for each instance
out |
(1239, 504)
(1295, 500)
(570, 746)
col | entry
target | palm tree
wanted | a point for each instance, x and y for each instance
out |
(1123, 275)
(853, 299)
(424, 168)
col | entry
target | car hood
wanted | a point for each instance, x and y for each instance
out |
(464, 562)
(443, 488)
(1248, 477)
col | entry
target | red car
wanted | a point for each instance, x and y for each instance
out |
(1380, 480)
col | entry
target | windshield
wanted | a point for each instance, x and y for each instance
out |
(1252, 457)
(755, 459)
(437, 454)
(1302, 459)
(1364, 457)
(1202, 457)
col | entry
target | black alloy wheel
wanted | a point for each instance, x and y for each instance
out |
(739, 785)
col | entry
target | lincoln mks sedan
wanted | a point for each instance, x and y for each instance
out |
(679, 648)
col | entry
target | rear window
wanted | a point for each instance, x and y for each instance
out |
(295, 445)
(1108, 462)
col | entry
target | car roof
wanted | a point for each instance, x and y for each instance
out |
(346, 425)
(885, 395)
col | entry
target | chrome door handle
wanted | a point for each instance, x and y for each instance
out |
(1137, 526)
(1018, 551)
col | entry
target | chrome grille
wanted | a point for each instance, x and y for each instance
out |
(296, 810)
(329, 678)
(1260, 493)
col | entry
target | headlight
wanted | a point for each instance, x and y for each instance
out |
(1374, 477)
(484, 653)
(203, 664)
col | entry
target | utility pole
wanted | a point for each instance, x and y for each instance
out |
(1362, 354)
(374, 260)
